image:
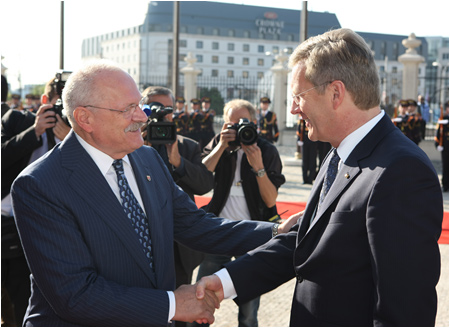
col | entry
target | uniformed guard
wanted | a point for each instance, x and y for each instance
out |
(195, 121)
(267, 122)
(207, 123)
(180, 117)
(309, 153)
(407, 121)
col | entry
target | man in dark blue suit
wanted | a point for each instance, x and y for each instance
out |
(99, 237)
(365, 251)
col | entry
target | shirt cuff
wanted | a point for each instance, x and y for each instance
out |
(172, 305)
(227, 284)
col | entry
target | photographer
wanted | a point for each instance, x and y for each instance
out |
(183, 160)
(26, 136)
(247, 178)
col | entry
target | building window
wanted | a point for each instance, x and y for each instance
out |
(183, 29)
(383, 49)
(246, 47)
(199, 44)
(199, 30)
(245, 74)
(215, 45)
(290, 37)
(260, 48)
(394, 69)
(246, 34)
(183, 43)
(245, 61)
(231, 46)
(215, 31)
(260, 75)
(230, 73)
(215, 59)
(260, 62)
(230, 60)
(275, 50)
(215, 73)
(395, 51)
(199, 58)
(231, 33)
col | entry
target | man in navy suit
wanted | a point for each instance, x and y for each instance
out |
(365, 251)
(88, 261)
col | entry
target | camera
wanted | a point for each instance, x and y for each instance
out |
(246, 132)
(159, 131)
(60, 81)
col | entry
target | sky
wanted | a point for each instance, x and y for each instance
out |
(30, 29)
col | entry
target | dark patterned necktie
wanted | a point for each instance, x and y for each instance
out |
(330, 176)
(134, 211)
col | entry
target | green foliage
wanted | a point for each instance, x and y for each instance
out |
(217, 102)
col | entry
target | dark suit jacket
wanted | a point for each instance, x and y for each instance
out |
(87, 265)
(371, 256)
(18, 143)
(195, 179)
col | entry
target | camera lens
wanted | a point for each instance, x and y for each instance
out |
(248, 135)
(162, 132)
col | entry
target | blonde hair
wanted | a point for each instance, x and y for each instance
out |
(341, 55)
(238, 103)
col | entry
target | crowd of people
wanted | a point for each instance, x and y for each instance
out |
(100, 226)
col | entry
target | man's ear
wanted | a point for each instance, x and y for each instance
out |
(338, 89)
(84, 118)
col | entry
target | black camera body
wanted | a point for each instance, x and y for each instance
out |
(158, 131)
(246, 132)
(60, 81)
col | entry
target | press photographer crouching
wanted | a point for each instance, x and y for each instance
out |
(26, 136)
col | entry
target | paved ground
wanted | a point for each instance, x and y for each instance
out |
(275, 306)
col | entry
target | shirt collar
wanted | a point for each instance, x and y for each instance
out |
(352, 140)
(102, 160)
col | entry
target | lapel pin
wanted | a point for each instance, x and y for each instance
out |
(347, 176)
(149, 178)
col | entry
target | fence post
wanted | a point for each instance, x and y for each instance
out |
(411, 60)
(190, 77)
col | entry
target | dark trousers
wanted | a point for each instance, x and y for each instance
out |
(309, 162)
(16, 282)
(444, 155)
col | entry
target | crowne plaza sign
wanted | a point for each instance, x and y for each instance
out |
(269, 24)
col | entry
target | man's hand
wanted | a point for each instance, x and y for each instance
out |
(207, 285)
(287, 224)
(190, 308)
(173, 154)
(61, 129)
(254, 156)
(44, 120)
(226, 135)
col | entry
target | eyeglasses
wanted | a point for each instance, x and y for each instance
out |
(129, 111)
(297, 97)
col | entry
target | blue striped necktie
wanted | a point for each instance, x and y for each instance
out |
(330, 176)
(134, 211)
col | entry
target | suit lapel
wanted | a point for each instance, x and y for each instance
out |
(346, 174)
(101, 198)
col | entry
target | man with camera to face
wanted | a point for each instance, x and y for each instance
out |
(247, 177)
(183, 160)
(26, 136)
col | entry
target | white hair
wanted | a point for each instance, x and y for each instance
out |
(81, 86)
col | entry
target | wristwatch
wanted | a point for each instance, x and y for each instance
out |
(260, 173)
(275, 229)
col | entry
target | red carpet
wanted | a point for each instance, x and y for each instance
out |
(289, 208)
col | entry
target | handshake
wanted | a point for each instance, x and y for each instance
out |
(198, 302)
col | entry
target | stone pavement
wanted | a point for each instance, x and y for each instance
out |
(275, 306)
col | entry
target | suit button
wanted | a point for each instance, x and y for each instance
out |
(299, 279)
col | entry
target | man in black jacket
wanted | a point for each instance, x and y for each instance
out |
(246, 182)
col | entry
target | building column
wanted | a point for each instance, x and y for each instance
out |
(190, 77)
(410, 60)
(279, 99)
